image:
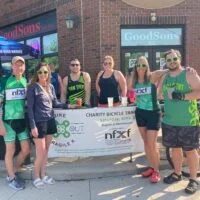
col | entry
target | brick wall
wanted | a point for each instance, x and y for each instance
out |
(98, 32)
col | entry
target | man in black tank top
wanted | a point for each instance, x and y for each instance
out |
(76, 85)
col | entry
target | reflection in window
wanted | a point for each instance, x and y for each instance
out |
(50, 43)
(34, 43)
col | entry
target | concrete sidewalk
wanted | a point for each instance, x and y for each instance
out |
(67, 169)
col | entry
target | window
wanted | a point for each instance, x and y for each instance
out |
(50, 43)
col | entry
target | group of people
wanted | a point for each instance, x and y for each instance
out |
(179, 87)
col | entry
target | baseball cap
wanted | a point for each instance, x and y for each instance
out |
(16, 58)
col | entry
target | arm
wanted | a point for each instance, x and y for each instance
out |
(156, 75)
(31, 103)
(194, 81)
(64, 91)
(129, 80)
(122, 83)
(97, 83)
(60, 84)
(56, 103)
(87, 85)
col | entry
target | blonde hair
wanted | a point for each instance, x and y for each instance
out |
(135, 73)
(111, 58)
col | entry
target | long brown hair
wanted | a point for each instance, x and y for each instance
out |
(35, 78)
(135, 73)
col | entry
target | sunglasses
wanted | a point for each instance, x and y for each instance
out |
(73, 65)
(42, 72)
(172, 59)
(141, 65)
(107, 63)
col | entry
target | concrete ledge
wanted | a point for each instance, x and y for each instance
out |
(68, 169)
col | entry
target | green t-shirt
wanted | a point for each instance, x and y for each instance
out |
(176, 112)
(14, 98)
(146, 96)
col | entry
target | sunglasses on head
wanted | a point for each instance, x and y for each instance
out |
(42, 72)
(74, 64)
(172, 59)
(141, 65)
(107, 63)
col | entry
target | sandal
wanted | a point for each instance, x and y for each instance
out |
(48, 180)
(191, 187)
(172, 178)
(38, 183)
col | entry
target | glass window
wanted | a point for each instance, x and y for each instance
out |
(52, 60)
(34, 43)
(50, 43)
(6, 66)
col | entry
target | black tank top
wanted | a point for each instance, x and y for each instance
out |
(76, 89)
(108, 88)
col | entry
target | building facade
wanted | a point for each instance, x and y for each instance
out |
(124, 29)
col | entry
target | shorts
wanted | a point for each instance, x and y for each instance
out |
(46, 128)
(15, 128)
(151, 119)
(186, 137)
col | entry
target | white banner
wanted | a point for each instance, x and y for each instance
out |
(95, 132)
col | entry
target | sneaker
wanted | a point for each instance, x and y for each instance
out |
(172, 178)
(191, 187)
(15, 184)
(155, 177)
(148, 172)
(19, 178)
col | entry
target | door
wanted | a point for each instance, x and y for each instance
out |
(154, 55)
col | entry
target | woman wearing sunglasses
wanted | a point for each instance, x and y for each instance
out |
(110, 83)
(41, 99)
(147, 112)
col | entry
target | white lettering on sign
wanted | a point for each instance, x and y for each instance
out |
(14, 94)
(142, 91)
(151, 36)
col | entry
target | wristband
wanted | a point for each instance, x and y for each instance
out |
(178, 95)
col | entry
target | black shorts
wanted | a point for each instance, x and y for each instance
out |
(151, 119)
(186, 137)
(46, 128)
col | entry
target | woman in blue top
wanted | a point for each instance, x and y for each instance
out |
(147, 112)
(41, 99)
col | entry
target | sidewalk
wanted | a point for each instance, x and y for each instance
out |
(68, 169)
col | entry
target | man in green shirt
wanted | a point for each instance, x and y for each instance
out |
(180, 128)
(14, 121)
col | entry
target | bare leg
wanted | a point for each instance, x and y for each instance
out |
(154, 155)
(143, 133)
(40, 156)
(48, 140)
(25, 150)
(10, 150)
(193, 163)
(177, 158)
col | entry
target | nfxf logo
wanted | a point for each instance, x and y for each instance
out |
(144, 90)
(118, 134)
(14, 94)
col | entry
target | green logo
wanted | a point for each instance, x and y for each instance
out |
(62, 129)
